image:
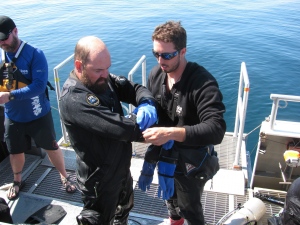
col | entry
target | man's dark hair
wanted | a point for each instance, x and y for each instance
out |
(171, 31)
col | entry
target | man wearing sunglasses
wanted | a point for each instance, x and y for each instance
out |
(190, 113)
(27, 109)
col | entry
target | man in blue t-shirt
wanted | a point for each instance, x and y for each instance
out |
(27, 107)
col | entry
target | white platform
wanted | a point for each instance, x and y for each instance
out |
(225, 181)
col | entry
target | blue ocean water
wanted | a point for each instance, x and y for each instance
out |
(221, 34)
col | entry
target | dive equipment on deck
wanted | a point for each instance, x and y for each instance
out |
(292, 154)
(49, 214)
(253, 210)
(269, 198)
(292, 158)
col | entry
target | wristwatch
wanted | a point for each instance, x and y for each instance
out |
(11, 96)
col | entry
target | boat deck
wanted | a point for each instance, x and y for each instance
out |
(43, 187)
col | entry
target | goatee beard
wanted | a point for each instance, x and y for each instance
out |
(99, 87)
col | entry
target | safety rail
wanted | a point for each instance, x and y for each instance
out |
(57, 90)
(276, 99)
(142, 62)
(241, 110)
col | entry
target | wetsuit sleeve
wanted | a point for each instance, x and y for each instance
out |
(88, 113)
(130, 92)
(39, 77)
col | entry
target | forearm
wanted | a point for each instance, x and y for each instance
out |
(177, 133)
(29, 91)
(160, 135)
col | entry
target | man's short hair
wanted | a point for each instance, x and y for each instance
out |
(171, 32)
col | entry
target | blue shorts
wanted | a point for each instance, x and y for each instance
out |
(18, 135)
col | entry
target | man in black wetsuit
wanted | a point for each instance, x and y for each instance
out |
(100, 133)
(190, 122)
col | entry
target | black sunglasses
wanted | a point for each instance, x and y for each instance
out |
(166, 56)
(7, 36)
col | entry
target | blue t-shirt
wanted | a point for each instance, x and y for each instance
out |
(30, 102)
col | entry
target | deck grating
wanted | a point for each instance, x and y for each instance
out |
(6, 174)
(53, 188)
(148, 203)
(215, 205)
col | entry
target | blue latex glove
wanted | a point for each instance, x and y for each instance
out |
(146, 115)
(168, 145)
(165, 180)
(146, 176)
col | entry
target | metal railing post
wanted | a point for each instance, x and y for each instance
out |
(57, 90)
(274, 111)
(133, 70)
(276, 99)
(241, 110)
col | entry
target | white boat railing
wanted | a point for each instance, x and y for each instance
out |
(142, 62)
(56, 69)
(276, 99)
(57, 90)
(241, 109)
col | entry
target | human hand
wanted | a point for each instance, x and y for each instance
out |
(146, 176)
(146, 115)
(4, 97)
(168, 145)
(157, 135)
(165, 180)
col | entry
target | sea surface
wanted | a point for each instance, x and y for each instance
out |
(221, 35)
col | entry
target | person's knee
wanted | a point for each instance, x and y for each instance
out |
(54, 152)
(55, 155)
(89, 217)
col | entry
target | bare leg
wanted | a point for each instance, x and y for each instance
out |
(17, 162)
(57, 159)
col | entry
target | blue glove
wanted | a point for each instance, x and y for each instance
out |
(146, 115)
(146, 176)
(165, 180)
(168, 145)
